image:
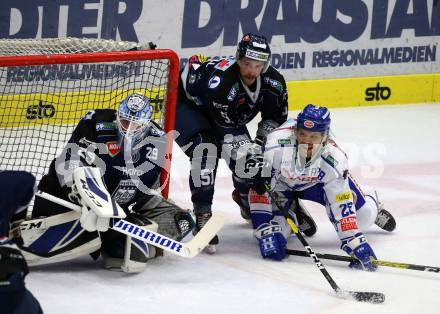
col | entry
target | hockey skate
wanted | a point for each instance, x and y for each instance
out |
(245, 212)
(384, 219)
(201, 220)
(305, 221)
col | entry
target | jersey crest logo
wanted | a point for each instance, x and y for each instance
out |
(214, 82)
(125, 191)
(113, 148)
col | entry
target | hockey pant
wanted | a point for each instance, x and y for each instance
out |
(204, 144)
(262, 209)
(366, 205)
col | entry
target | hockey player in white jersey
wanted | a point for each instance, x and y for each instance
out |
(302, 161)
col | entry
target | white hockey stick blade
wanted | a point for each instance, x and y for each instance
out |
(185, 249)
(202, 238)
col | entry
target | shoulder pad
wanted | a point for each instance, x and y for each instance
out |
(224, 63)
(101, 115)
(283, 135)
(89, 115)
(105, 121)
(335, 158)
(274, 83)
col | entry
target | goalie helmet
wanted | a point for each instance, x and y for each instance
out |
(254, 47)
(134, 116)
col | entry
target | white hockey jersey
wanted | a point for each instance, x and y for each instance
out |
(328, 168)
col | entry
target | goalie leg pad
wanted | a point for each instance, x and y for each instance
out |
(124, 253)
(173, 221)
(56, 238)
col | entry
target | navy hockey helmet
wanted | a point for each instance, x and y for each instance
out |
(134, 116)
(254, 47)
(314, 118)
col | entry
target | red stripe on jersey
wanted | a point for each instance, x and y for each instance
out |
(255, 198)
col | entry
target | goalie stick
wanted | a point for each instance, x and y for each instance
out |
(187, 249)
(377, 262)
(371, 297)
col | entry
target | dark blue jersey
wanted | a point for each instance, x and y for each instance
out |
(128, 172)
(16, 192)
(216, 88)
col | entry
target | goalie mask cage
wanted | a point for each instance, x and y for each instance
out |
(47, 86)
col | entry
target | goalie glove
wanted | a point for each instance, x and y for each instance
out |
(97, 206)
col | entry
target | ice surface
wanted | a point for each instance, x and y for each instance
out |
(394, 149)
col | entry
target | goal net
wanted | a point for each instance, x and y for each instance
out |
(48, 85)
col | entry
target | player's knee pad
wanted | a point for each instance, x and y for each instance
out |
(173, 221)
(56, 238)
(124, 253)
(367, 213)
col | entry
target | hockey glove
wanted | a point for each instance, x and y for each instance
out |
(271, 241)
(359, 248)
(259, 169)
(97, 206)
(264, 128)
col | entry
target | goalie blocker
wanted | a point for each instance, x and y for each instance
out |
(62, 237)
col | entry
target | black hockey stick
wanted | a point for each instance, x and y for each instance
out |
(349, 259)
(371, 297)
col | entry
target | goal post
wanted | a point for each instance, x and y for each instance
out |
(44, 93)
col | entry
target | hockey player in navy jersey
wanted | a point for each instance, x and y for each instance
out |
(16, 191)
(217, 98)
(115, 155)
(302, 161)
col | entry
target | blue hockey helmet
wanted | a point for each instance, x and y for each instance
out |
(314, 118)
(254, 47)
(134, 116)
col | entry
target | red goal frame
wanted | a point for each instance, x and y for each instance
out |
(120, 56)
